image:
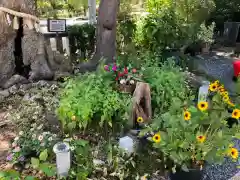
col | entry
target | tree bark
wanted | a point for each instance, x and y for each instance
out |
(106, 30)
(106, 35)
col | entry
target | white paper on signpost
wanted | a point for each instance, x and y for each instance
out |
(203, 91)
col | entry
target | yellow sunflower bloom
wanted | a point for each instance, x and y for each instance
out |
(225, 93)
(231, 104)
(73, 118)
(221, 89)
(156, 138)
(236, 113)
(225, 98)
(201, 138)
(213, 87)
(187, 115)
(202, 105)
(233, 152)
(217, 82)
(140, 120)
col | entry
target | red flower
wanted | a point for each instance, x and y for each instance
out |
(134, 70)
(125, 71)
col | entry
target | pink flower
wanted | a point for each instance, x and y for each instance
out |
(106, 68)
(125, 71)
(17, 149)
(114, 68)
(134, 70)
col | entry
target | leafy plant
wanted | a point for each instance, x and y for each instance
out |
(41, 164)
(82, 39)
(82, 160)
(30, 143)
(189, 136)
(167, 82)
(91, 99)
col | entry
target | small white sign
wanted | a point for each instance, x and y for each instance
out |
(203, 92)
(57, 25)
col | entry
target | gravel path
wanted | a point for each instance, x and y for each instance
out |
(218, 68)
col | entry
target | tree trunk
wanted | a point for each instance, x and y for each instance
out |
(22, 51)
(106, 35)
(106, 30)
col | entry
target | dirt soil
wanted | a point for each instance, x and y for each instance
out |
(7, 133)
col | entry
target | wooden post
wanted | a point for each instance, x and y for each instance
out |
(59, 43)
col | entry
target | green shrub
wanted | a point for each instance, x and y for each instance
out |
(82, 38)
(167, 82)
(91, 98)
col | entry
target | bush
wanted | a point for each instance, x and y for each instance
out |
(167, 82)
(190, 136)
(82, 38)
(91, 98)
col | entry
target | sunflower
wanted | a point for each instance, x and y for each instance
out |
(140, 120)
(236, 113)
(201, 138)
(213, 87)
(221, 89)
(216, 82)
(233, 152)
(202, 105)
(187, 115)
(225, 98)
(231, 104)
(156, 138)
(225, 93)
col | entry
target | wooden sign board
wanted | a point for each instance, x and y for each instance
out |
(56, 25)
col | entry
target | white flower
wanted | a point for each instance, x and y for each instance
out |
(14, 144)
(40, 138)
(123, 81)
(20, 133)
(34, 125)
(132, 82)
(34, 136)
(32, 129)
(72, 148)
(40, 127)
(50, 139)
(42, 144)
(16, 138)
(54, 135)
(17, 149)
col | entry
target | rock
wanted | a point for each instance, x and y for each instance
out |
(13, 89)
(25, 87)
(60, 75)
(4, 93)
(15, 79)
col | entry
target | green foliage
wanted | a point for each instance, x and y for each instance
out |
(82, 39)
(205, 34)
(30, 142)
(171, 24)
(167, 82)
(202, 137)
(41, 164)
(83, 162)
(91, 98)
(125, 28)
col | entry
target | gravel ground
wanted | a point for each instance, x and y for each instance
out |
(225, 171)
